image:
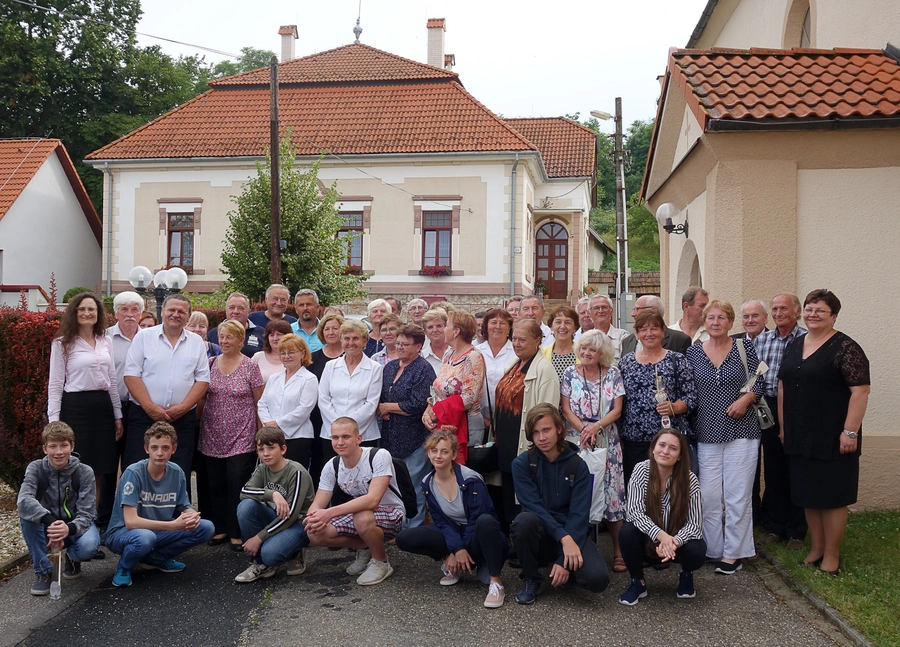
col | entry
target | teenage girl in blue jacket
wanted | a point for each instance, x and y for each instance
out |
(465, 535)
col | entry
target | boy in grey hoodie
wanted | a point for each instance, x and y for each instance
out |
(57, 507)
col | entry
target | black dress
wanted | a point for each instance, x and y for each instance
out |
(816, 399)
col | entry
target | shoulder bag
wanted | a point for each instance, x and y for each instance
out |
(763, 413)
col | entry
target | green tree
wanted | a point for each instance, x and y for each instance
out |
(637, 143)
(250, 59)
(309, 223)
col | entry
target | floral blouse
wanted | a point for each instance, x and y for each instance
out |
(228, 423)
(586, 397)
(463, 377)
(640, 421)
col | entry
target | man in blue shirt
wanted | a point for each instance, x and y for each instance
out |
(306, 303)
(277, 299)
(152, 520)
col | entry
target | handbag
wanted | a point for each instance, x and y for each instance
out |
(596, 459)
(483, 458)
(763, 413)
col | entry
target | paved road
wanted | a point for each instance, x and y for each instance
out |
(203, 606)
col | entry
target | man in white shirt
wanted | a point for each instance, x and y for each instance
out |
(532, 307)
(415, 309)
(584, 317)
(693, 303)
(369, 509)
(167, 373)
(601, 310)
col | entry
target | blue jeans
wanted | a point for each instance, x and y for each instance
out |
(80, 548)
(418, 465)
(253, 516)
(156, 546)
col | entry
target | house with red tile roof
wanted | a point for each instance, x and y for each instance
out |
(777, 142)
(427, 175)
(47, 223)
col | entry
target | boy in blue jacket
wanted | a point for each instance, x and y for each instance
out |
(554, 487)
(466, 533)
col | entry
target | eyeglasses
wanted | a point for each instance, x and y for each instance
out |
(601, 309)
(403, 346)
(819, 312)
(84, 309)
(287, 353)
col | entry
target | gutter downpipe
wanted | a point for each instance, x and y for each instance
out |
(512, 230)
(109, 232)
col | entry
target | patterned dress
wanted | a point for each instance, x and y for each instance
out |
(591, 400)
(228, 424)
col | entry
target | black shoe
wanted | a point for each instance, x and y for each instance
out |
(217, 541)
(813, 563)
(72, 569)
(724, 568)
(99, 555)
(238, 548)
(514, 561)
(661, 566)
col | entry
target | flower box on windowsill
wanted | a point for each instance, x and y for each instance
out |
(352, 269)
(436, 270)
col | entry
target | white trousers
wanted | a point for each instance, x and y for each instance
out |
(727, 471)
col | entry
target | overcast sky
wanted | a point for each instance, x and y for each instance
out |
(525, 59)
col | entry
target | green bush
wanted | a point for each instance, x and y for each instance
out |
(71, 292)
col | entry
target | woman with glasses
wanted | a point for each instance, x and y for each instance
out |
(823, 390)
(289, 398)
(390, 326)
(227, 428)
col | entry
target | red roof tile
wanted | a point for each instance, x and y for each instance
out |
(435, 22)
(20, 160)
(345, 119)
(288, 30)
(350, 63)
(567, 148)
(798, 84)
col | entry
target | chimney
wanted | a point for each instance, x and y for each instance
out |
(436, 31)
(288, 35)
(449, 61)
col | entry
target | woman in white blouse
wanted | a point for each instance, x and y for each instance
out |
(351, 386)
(497, 350)
(289, 398)
(664, 520)
(83, 391)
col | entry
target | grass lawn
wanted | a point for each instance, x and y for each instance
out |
(867, 593)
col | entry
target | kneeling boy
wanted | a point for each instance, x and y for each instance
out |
(273, 504)
(375, 511)
(554, 487)
(56, 507)
(152, 520)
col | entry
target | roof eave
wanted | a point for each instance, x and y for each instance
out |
(829, 123)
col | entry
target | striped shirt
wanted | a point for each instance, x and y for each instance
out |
(292, 482)
(770, 347)
(636, 512)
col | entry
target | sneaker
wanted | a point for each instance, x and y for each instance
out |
(297, 566)
(254, 572)
(41, 584)
(494, 599)
(375, 573)
(635, 592)
(170, 566)
(724, 568)
(360, 563)
(122, 577)
(529, 591)
(72, 569)
(449, 578)
(686, 585)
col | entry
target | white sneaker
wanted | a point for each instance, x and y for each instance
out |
(449, 578)
(297, 566)
(254, 572)
(495, 596)
(360, 563)
(375, 573)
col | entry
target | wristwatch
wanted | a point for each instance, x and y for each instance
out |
(851, 434)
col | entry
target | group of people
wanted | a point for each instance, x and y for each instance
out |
(329, 430)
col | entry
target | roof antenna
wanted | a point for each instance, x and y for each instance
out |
(358, 30)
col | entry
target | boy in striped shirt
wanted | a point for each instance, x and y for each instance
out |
(273, 504)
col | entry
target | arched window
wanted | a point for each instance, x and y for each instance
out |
(805, 40)
(799, 28)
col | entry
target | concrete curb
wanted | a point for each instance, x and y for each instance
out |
(15, 561)
(829, 612)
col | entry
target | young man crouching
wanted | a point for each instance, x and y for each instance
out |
(152, 520)
(554, 487)
(374, 512)
(273, 503)
(56, 507)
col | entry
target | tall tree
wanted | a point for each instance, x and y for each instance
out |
(250, 59)
(309, 223)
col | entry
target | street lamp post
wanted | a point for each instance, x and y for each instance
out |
(165, 282)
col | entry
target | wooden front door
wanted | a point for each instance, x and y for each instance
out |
(552, 269)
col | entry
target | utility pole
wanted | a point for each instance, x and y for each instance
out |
(621, 220)
(274, 150)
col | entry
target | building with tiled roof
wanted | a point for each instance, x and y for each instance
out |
(47, 222)
(777, 142)
(428, 176)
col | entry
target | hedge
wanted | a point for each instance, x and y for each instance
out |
(25, 339)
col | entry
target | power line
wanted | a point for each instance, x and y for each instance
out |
(64, 14)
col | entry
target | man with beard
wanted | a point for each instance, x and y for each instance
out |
(306, 303)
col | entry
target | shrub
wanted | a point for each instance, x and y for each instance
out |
(71, 292)
(25, 339)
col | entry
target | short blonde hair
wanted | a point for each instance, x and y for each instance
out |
(232, 327)
(435, 313)
(598, 340)
(296, 342)
(198, 317)
(724, 306)
(357, 326)
(320, 329)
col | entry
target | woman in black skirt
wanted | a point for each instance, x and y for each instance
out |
(83, 391)
(823, 389)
